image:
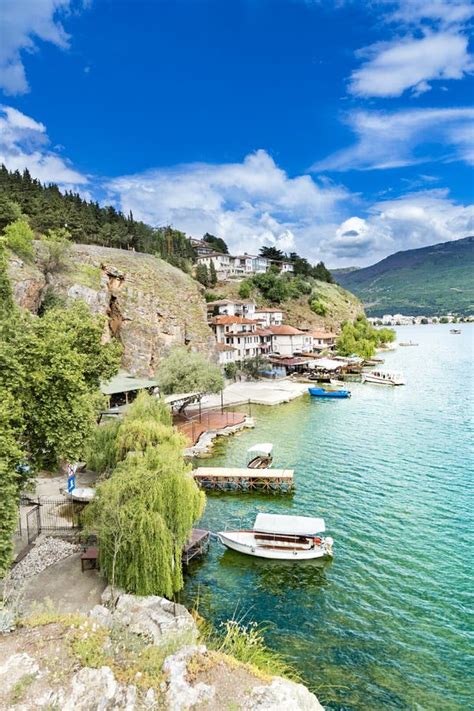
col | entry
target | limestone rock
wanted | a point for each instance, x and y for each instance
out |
(16, 667)
(181, 694)
(156, 618)
(282, 695)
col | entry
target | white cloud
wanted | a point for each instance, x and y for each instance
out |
(412, 221)
(24, 144)
(443, 13)
(23, 22)
(411, 63)
(400, 138)
(248, 204)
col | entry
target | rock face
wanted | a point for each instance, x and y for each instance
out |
(149, 304)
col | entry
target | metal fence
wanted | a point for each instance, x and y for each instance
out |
(33, 523)
(59, 514)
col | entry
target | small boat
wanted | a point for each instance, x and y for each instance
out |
(336, 394)
(457, 331)
(281, 538)
(408, 343)
(260, 456)
(383, 377)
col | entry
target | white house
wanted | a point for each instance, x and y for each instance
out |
(287, 340)
(269, 316)
(323, 340)
(222, 263)
(227, 354)
(238, 332)
(286, 267)
(231, 307)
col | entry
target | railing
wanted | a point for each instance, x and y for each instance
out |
(217, 418)
(59, 514)
(33, 524)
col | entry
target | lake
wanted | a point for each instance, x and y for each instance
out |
(386, 623)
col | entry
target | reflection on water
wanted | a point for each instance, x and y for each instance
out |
(385, 625)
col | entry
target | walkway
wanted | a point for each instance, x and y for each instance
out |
(209, 421)
(260, 392)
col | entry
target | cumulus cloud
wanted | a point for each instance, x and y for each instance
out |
(411, 63)
(23, 22)
(248, 204)
(412, 221)
(443, 13)
(400, 138)
(24, 144)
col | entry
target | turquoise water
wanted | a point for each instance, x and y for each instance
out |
(385, 625)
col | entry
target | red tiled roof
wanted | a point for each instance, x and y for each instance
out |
(224, 347)
(270, 310)
(285, 331)
(323, 334)
(225, 320)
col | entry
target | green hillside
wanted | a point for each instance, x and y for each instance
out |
(431, 280)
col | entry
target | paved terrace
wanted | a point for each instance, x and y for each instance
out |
(260, 392)
(209, 421)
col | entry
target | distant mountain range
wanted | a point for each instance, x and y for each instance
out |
(431, 280)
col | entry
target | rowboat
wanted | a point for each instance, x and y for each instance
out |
(383, 377)
(321, 392)
(260, 456)
(281, 538)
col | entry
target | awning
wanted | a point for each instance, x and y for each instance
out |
(326, 364)
(264, 448)
(288, 525)
(124, 382)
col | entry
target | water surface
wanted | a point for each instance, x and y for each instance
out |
(386, 623)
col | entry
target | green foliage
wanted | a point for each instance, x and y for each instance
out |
(54, 250)
(11, 454)
(143, 514)
(52, 367)
(184, 371)
(216, 243)
(230, 371)
(6, 293)
(245, 289)
(101, 454)
(209, 296)
(10, 211)
(18, 237)
(212, 274)
(51, 300)
(202, 274)
(317, 307)
(444, 319)
(361, 338)
(272, 253)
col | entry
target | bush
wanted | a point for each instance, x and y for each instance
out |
(19, 238)
(245, 289)
(317, 307)
(54, 250)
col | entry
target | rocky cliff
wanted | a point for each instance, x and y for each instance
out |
(149, 304)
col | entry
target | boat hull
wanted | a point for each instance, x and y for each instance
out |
(244, 542)
(381, 381)
(329, 394)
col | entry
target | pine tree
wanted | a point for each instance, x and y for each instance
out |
(212, 274)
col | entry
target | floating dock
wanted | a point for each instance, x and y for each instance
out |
(197, 544)
(229, 479)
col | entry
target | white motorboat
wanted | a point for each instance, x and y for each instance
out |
(407, 343)
(260, 456)
(384, 377)
(281, 538)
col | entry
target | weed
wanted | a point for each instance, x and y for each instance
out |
(19, 689)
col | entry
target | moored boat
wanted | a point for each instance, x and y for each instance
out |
(323, 393)
(407, 343)
(457, 331)
(260, 456)
(383, 377)
(281, 538)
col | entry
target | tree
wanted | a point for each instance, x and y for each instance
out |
(54, 249)
(202, 274)
(6, 294)
(212, 274)
(144, 513)
(19, 238)
(10, 211)
(318, 307)
(322, 273)
(184, 371)
(245, 289)
(272, 253)
(11, 454)
(216, 243)
(361, 338)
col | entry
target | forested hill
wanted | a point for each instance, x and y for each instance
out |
(431, 280)
(48, 208)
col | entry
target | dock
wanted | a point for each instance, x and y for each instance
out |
(244, 479)
(197, 545)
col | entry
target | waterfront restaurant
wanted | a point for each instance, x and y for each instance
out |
(123, 388)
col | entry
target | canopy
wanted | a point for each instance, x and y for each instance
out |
(325, 364)
(288, 525)
(264, 447)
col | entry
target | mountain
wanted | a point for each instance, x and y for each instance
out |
(431, 280)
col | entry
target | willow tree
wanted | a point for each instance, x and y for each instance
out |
(144, 513)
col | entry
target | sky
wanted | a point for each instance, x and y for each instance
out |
(339, 129)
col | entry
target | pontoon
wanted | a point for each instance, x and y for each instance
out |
(281, 538)
(384, 377)
(260, 456)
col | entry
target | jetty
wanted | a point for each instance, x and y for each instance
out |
(244, 479)
(197, 545)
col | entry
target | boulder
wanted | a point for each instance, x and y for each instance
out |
(181, 695)
(282, 695)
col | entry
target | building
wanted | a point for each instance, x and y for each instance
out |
(287, 340)
(201, 247)
(269, 316)
(240, 333)
(286, 267)
(222, 263)
(227, 354)
(323, 340)
(231, 307)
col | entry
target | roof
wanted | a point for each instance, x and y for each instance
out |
(223, 320)
(281, 360)
(125, 382)
(212, 255)
(265, 447)
(224, 347)
(223, 302)
(323, 334)
(285, 331)
(269, 310)
(263, 332)
(288, 525)
(326, 364)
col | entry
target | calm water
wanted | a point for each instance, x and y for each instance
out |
(386, 623)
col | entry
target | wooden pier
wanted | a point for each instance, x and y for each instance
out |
(197, 545)
(228, 479)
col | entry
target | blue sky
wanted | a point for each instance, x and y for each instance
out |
(342, 130)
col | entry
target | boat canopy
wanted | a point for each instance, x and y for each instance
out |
(288, 525)
(262, 448)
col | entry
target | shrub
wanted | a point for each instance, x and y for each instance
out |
(19, 238)
(318, 307)
(245, 289)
